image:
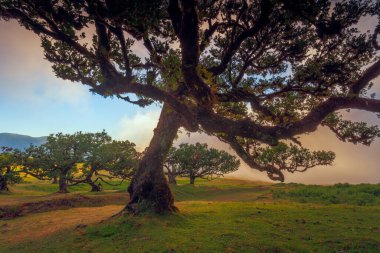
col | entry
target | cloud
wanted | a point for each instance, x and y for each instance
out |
(24, 74)
(139, 127)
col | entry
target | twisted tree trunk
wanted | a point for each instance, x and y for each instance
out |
(171, 177)
(94, 187)
(149, 189)
(62, 182)
(192, 179)
(4, 179)
(3, 183)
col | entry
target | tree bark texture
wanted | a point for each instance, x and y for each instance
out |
(149, 189)
(3, 184)
(192, 180)
(172, 179)
(62, 182)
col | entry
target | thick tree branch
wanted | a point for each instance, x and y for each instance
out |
(311, 121)
(213, 123)
(273, 172)
(371, 73)
(187, 30)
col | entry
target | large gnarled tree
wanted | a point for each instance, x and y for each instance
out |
(253, 73)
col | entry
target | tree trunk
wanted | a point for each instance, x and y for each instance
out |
(55, 180)
(3, 184)
(171, 177)
(149, 189)
(192, 180)
(94, 187)
(4, 179)
(62, 183)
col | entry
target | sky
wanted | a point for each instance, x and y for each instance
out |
(34, 102)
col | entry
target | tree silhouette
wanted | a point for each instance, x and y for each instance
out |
(253, 73)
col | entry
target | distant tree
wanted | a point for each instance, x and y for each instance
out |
(252, 73)
(197, 160)
(291, 158)
(171, 167)
(92, 159)
(106, 159)
(9, 168)
(58, 156)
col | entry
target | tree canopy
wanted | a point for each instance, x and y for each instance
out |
(197, 160)
(81, 158)
(57, 157)
(118, 159)
(253, 73)
(9, 168)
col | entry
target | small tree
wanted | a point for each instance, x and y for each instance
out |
(9, 173)
(199, 161)
(171, 167)
(92, 159)
(58, 155)
(117, 158)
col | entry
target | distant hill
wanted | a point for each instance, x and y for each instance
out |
(20, 141)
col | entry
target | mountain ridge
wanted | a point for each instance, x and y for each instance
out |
(20, 141)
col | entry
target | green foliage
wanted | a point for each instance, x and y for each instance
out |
(81, 158)
(197, 160)
(9, 168)
(355, 132)
(292, 157)
(57, 156)
(118, 159)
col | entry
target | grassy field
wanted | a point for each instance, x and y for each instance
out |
(219, 216)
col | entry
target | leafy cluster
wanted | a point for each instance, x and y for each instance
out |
(81, 158)
(9, 170)
(292, 158)
(355, 132)
(197, 160)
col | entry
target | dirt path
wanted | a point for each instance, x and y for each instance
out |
(43, 224)
(55, 202)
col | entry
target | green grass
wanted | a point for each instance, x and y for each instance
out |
(362, 194)
(227, 227)
(231, 216)
(32, 186)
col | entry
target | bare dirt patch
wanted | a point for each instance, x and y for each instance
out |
(58, 202)
(44, 224)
